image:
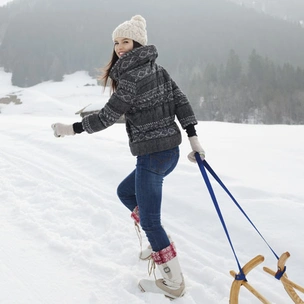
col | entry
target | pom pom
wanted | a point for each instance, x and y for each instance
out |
(139, 18)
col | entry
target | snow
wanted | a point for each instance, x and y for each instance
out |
(66, 238)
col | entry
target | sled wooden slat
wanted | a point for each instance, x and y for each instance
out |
(291, 292)
(289, 286)
(285, 279)
(236, 284)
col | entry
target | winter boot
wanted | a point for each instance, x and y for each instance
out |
(145, 254)
(172, 284)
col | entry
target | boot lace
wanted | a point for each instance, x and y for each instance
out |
(151, 268)
(138, 233)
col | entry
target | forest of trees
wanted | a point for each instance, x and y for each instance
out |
(257, 92)
(233, 63)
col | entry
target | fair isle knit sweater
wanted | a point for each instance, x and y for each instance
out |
(150, 101)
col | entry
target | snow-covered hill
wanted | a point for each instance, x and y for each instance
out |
(65, 237)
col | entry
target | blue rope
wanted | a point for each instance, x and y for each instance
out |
(202, 165)
(241, 275)
(237, 204)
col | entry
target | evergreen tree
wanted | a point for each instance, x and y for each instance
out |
(233, 71)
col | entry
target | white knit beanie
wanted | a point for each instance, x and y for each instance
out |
(134, 29)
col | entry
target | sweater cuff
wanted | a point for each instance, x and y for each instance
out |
(78, 128)
(190, 129)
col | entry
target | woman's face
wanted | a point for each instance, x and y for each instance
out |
(122, 46)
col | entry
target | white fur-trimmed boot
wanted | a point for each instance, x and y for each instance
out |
(172, 284)
(145, 254)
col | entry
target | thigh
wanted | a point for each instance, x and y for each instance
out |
(150, 172)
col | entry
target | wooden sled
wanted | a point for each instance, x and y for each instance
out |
(236, 285)
(282, 276)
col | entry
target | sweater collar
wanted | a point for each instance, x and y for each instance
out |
(133, 59)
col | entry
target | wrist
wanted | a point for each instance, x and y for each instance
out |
(190, 129)
(78, 128)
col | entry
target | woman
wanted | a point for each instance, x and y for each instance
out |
(144, 92)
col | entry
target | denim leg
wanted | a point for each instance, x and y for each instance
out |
(149, 175)
(126, 191)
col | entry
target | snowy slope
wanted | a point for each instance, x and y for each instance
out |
(65, 237)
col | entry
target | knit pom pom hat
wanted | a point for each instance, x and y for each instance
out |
(134, 29)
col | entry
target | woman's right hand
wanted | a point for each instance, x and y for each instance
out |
(196, 147)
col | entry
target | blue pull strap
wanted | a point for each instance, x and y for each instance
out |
(202, 165)
(241, 275)
(237, 204)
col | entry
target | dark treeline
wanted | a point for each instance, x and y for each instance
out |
(46, 39)
(256, 92)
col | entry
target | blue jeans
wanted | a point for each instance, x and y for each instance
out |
(143, 188)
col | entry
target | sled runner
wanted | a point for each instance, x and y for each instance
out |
(281, 275)
(237, 283)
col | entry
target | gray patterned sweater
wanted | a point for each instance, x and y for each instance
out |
(150, 100)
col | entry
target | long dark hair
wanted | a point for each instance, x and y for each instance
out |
(106, 71)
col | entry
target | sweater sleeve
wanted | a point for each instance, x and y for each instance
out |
(118, 104)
